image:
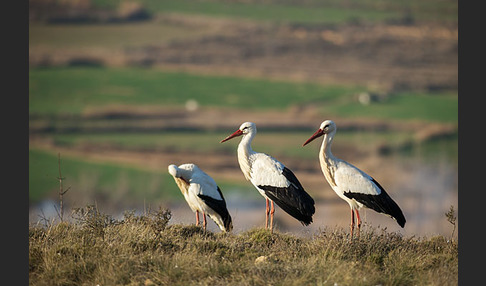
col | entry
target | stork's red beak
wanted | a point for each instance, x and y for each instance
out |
(236, 134)
(317, 134)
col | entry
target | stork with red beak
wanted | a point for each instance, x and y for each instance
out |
(351, 184)
(275, 182)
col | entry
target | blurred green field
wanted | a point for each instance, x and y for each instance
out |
(70, 90)
(311, 11)
(118, 182)
(441, 107)
(55, 91)
(82, 175)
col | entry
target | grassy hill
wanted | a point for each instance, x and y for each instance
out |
(148, 250)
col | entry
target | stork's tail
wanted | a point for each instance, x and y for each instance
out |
(223, 220)
(228, 223)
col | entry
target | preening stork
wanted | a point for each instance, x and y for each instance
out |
(275, 182)
(351, 184)
(202, 194)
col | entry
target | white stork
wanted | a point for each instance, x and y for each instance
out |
(351, 184)
(202, 194)
(275, 182)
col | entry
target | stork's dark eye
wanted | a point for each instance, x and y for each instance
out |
(246, 127)
(327, 126)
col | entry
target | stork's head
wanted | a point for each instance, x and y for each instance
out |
(182, 176)
(327, 127)
(184, 171)
(173, 171)
(245, 128)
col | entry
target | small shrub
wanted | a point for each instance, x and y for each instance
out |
(92, 220)
(156, 220)
(451, 218)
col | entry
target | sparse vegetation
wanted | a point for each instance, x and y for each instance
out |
(62, 191)
(451, 218)
(96, 249)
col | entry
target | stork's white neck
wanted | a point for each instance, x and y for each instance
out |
(244, 153)
(327, 159)
(325, 152)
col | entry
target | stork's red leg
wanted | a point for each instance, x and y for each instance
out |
(204, 221)
(197, 218)
(267, 211)
(359, 220)
(271, 216)
(352, 222)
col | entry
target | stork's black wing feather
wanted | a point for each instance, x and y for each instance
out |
(381, 203)
(292, 199)
(219, 206)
